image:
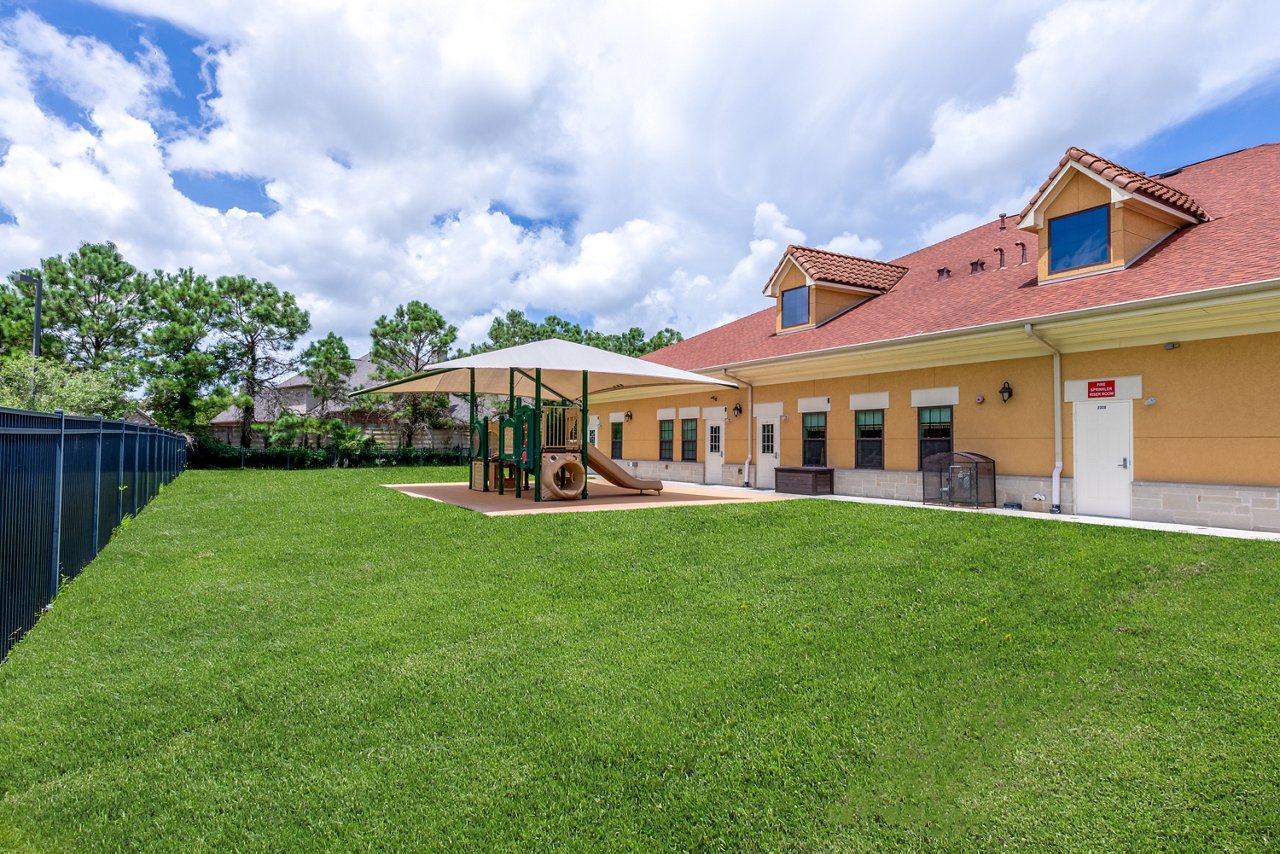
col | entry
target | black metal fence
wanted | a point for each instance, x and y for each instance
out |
(66, 483)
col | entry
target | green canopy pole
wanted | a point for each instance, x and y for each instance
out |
(536, 443)
(584, 435)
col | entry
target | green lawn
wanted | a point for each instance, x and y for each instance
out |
(304, 660)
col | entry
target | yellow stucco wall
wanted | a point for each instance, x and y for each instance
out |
(1215, 420)
(828, 302)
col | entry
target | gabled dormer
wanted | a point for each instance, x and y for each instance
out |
(1092, 216)
(813, 286)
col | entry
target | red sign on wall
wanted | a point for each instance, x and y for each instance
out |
(1102, 388)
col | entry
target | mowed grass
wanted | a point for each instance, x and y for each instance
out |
(307, 660)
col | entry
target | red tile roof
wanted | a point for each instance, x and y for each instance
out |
(1240, 244)
(1125, 179)
(823, 266)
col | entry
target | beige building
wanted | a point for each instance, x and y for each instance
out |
(1114, 348)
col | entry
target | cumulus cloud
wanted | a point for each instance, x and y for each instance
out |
(1104, 75)
(587, 159)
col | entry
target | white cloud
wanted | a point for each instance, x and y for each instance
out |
(655, 161)
(1102, 75)
(849, 243)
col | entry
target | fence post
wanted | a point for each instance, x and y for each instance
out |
(242, 456)
(56, 550)
(97, 485)
(137, 449)
(120, 479)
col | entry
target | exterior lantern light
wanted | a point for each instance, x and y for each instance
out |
(627, 417)
(737, 410)
(1006, 392)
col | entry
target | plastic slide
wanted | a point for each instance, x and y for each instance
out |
(614, 473)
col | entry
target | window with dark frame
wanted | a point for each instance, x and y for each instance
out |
(766, 437)
(1081, 239)
(713, 439)
(935, 431)
(688, 440)
(615, 440)
(666, 439)
(869, 439)
(795, 307)
(815, 439)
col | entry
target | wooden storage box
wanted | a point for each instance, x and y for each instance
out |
(804, 480)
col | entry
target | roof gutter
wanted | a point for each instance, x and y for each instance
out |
(1055, 505)
(1018, 324)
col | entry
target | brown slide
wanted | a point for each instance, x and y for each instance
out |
(615, 474)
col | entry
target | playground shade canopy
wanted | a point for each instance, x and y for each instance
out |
(562, 364)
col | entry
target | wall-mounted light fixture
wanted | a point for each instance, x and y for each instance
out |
(627, 417)
(737, 410)
(1006, 392)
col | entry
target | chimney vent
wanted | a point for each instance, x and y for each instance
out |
(1002, 216)
(944, 273)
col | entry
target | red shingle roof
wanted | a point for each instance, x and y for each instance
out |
(1125, 179)
(1240, 244)
(823, 266)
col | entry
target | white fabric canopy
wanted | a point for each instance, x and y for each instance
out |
(562, 364)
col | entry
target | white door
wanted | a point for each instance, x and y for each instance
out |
(715, 451)
(767, 451)
(1103, 457)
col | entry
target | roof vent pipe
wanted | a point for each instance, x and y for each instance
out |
(1002, 216)
(1023, 246)
(1000, 256)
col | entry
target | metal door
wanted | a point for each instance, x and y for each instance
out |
(714, 456)
(767, 451)
(1103, 457)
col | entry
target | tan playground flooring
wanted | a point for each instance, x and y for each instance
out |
(601, 496)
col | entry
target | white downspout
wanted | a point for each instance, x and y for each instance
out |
(1055, 505)
(751, 436)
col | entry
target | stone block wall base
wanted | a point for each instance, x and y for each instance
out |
(1250, 508)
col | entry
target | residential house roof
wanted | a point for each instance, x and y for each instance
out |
(270, 404)
(1238, 245)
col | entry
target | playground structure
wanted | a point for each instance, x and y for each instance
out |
(539, 443)
(545, 445)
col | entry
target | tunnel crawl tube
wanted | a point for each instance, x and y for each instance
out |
(563, 476)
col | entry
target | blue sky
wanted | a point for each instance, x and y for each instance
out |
(620, 163)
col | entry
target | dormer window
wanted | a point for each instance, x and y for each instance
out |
(795, 307)
(1081, 239)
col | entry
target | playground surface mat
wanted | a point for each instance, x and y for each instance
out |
(601, 496)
